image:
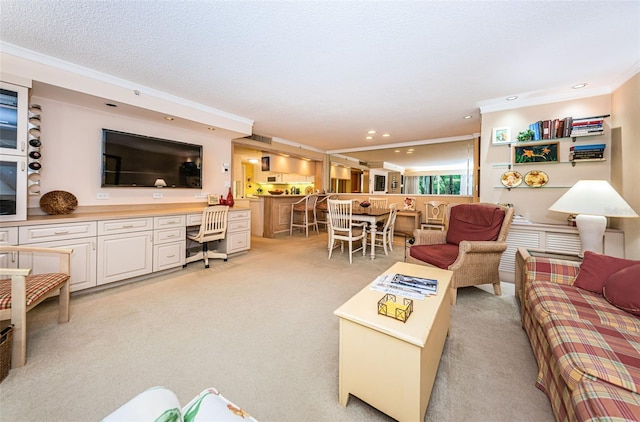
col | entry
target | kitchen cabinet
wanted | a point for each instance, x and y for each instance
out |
(125, 249)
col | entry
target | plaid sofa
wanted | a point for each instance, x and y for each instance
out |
(587, 350)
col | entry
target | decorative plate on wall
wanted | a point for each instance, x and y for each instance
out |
(536, 178)
(511, 179)
(58, 202)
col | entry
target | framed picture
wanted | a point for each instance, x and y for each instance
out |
(501, 135)
(409, 204)
(265, 165)
(538, 153)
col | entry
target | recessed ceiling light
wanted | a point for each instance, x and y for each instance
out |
(511, 98)
(410, 152)
(385, 135)
(253, 160)
(111, 105)
(371, 132)
(397, 150)
(369, 137)
(578, 86)
(168, 118)
(467, 117)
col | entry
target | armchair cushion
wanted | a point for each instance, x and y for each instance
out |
(474, 222)
(622, 289)
(442, 256)
(36, 285)
(597, 268)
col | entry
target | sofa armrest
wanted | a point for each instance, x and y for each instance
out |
(552, 270)
(429, 237)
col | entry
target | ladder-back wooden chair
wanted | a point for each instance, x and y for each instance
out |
(342, 227)
(24, 291)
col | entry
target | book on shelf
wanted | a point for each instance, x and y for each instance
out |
(589, 147)
(566, 130)
(594, 156)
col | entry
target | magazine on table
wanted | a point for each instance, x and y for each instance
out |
(404, 285)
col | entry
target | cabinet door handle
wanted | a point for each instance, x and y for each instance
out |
(93, 246)
(23, 146)
(171, 235)
(128, 226)
(171, 256)
(23, 166)
(64, 232)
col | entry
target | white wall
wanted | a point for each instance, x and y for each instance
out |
(533, 203)
(72, 158)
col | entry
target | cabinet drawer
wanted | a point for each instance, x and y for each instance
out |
(168, 221)
(194, 219)
(236, 242)
(53, 232)
(239, 215)
(170, 255)
(9, 236)
(169, 235)
(124, 226)
(238, 226)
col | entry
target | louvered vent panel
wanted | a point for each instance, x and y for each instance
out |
(517, 239)
(568, 243)
(260, 138)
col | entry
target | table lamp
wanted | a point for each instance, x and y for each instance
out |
(160, 183)
(593, 201)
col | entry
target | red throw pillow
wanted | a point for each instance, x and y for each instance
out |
(622, 289)
(597, 268)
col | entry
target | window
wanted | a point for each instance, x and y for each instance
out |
(442, 184)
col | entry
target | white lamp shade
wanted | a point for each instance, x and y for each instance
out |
(593, 201)
(160, 183)
(593, 197)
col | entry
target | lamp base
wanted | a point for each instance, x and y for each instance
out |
(591, 229)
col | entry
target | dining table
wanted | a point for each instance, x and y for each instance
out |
(371, 216)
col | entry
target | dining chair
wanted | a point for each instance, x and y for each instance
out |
(322, 211)
(384, 235)
(342, 227)
(23, 291)
(213, 227)
(435, 215)
(307, 208)
(377, 202)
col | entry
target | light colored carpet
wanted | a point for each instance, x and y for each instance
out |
(260, 328)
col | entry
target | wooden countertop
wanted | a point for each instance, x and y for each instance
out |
(90, 213)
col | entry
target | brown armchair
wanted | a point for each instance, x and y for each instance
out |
(471, 246)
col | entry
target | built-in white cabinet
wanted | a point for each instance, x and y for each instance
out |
(551, 238)
(110, 250)
(13, 151)
(8, 236)
(238, 237)
(125, 249)
(169, 242)
(81, 237)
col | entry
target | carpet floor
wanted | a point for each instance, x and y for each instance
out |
(260, 328)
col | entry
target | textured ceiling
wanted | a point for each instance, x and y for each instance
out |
(324, 73)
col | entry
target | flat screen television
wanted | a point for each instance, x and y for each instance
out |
(130, 160)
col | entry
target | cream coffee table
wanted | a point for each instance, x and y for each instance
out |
(387, 363)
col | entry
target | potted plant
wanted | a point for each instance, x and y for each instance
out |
(525, 135)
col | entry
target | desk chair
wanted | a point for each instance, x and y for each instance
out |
(213, 227)
(342, 227)
(24, 291)
(306, 206)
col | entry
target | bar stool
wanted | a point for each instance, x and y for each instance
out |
(306, 206)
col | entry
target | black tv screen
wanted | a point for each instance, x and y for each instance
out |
(130, 160)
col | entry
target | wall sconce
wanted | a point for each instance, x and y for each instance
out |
(160, 183)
